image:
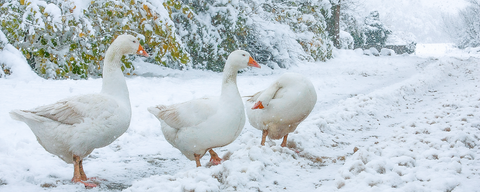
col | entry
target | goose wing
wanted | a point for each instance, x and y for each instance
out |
(76, 109)
(187, 114)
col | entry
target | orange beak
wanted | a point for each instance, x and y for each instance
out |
(258, 105)
(253, 63)
(142, 51)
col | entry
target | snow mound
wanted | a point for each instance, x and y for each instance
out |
(16, 62)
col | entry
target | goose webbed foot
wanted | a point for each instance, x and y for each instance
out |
(214, 157)
(78, 173)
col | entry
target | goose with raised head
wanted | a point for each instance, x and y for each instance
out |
(73, 127)
(197, 126)
(278, 110)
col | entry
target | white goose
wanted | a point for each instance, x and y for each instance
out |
(279, 109)
(72, 128)
(199, 125)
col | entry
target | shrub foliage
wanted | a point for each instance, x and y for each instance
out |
(63, 40)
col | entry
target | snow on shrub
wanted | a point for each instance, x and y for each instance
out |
(346, 40)
(62, 39)
(376, 32)
(366, 31)
(16, 66)
(211, 31)
(4, 69)
(59, 44)
(275, 33)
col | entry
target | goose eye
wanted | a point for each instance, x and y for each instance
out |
(134, 41)
(243, 55)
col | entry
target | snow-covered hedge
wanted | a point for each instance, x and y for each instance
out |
(68, 38)
(366, 31)
(60, 40)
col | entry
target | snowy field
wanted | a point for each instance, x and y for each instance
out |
(388, 123)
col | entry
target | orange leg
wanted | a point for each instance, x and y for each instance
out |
(78, 173)
(264, 137)
(77, 177)
(82, 173)
(284, 142)
(197, 159)
(214, 157)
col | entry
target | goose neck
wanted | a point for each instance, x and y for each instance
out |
(113, 82)
(229, 82)
(112, 57)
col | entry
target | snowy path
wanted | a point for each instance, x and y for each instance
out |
(425, 138)
(415, 122)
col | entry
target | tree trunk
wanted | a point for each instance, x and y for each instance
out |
(336, 28)
(333, 23)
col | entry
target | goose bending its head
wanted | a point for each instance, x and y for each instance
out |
(73, 127)
(279, 109)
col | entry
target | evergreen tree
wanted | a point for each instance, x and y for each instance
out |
(366, 31)
(375, 32)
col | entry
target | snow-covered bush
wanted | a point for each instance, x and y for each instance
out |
(63, 39)
(289, 31)
(62, 42)
(4, 70)
(276, 33)
(351, 21)
(13, 64)
(309, 23)
(366, 31)
(375, 32)
(3, 40)
(211, 30)
(464, 29)
(346, 40)
(157, 32)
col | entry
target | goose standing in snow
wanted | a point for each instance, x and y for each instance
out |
(195, 127)
(72, 128)
(279, 109)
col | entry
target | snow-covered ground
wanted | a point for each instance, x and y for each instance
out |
(389, 123)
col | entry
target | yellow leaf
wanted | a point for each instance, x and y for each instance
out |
(71, 10)
(147, 9)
